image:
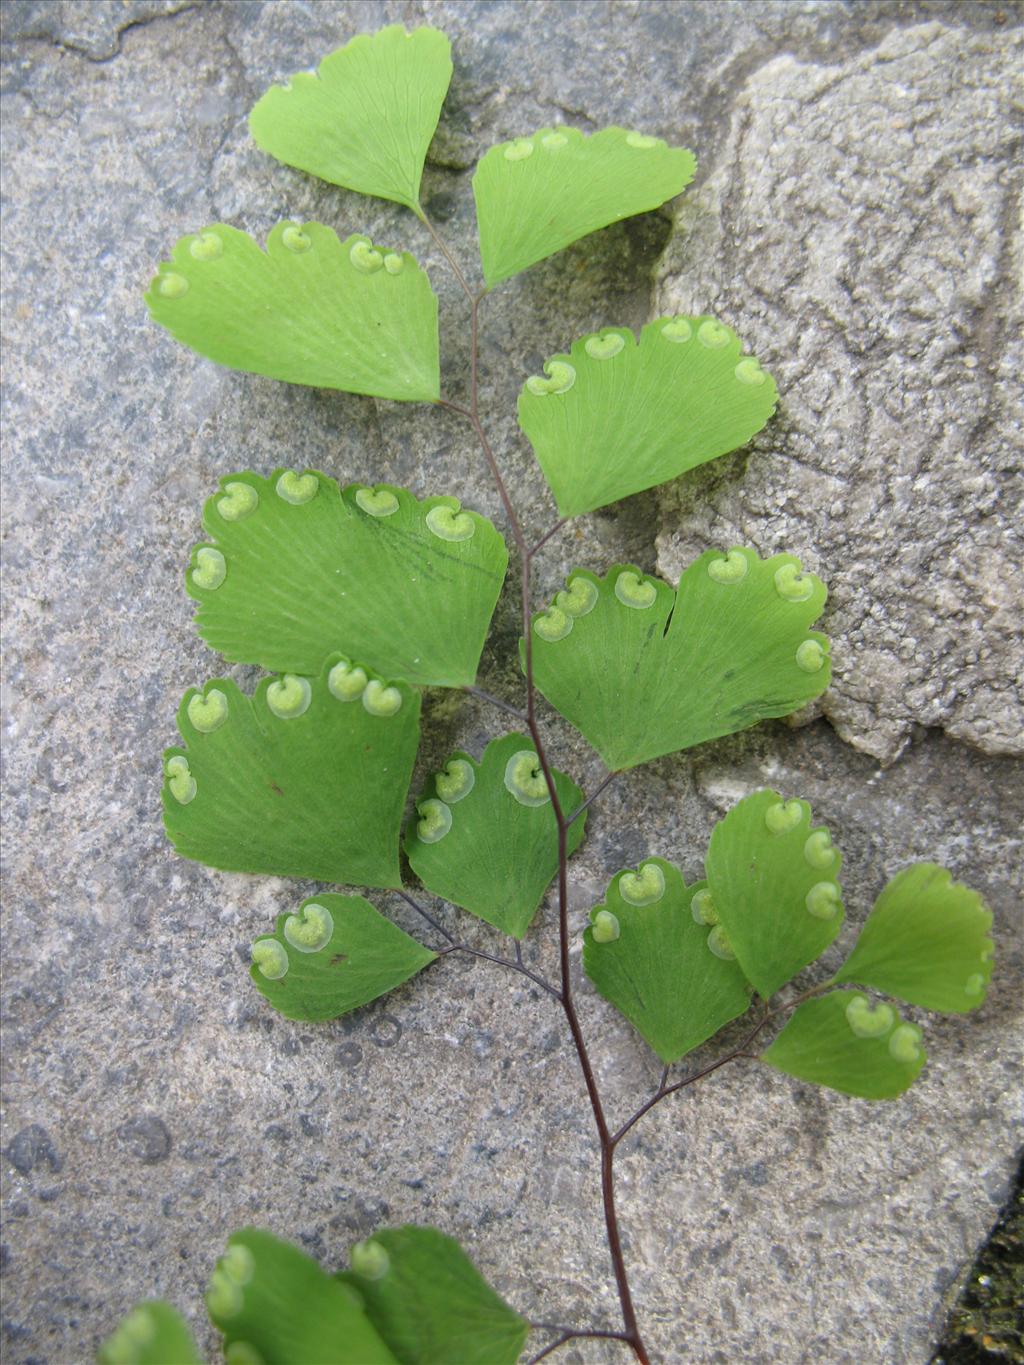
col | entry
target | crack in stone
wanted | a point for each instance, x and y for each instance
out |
(79, 49)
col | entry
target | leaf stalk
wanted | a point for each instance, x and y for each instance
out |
(526, 552)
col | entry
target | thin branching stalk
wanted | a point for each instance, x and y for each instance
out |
(425, 914)
(570, 1334)
(491, 700)
(515, 966)
(607, 1139)
(664, 1089)
(526, 552)
(455, 945)
(606, 782)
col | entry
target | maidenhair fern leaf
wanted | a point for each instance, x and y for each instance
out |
(276, 1306)
(484, 834)
(649, 953)
(536, 195)
(850, 1044)
(309, 310)
(772, 887)
(613, 416)
(429, 1302)
(298, 568)
(333, 955)
(926, 941)
(642, 671)
(153, 1333)
(365, 119)
(308, 778)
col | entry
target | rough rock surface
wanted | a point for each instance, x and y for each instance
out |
(153, 1102)
(94, 29)
(861, 229)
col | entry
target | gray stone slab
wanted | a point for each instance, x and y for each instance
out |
(861, 229)
(93, 29)
(152, 1101)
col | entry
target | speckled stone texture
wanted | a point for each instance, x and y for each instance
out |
(153, 1102)
(862, 230)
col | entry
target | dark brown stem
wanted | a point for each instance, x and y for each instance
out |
(568, 1334)
(663, 1089)
(799, 999)
(440, 244)
(740, 1051)
(547, 536)
(561, 1328)
(436, 924)
(593, 796)
(496, 701)
(631, 1333)
(551, 1348)
(455, 946)
(502, 962)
